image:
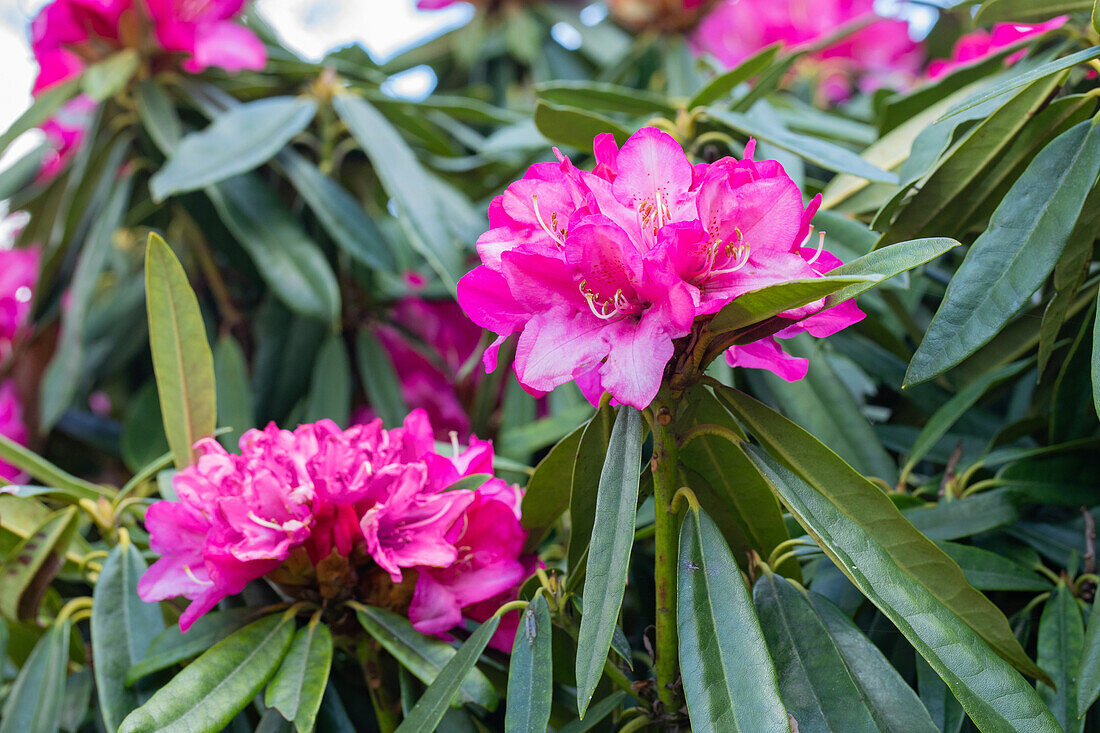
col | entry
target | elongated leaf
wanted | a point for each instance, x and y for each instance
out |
(530, 678)
(729, 681)
(1022, 80)
(945, 710)
(182, 359)
(825, 154)
(1061, 642)
(759, 305)
(575, 127)
(234, 391)
(987, 570)
(1088, 671)
(32, 564)
(379, 379)
(424, 656)
(330, 393)
(210, 691)
(299, 684)
(123, 627)
(817, 688)
(1095, 370)
(595, 715)
(723, 84)
(36, 697)
(546, 497)
(584, 487)
(865, 535)
(238, 140)
(888, 262)
(589, 95)
(433, 704)
(172, 646)
(609, 551)
(342, 216)
(406, 181)
(39, 468)
(1027, 11)
(1013, 257)
(892, 702)
(104, 79)
(288, 260)
(158, 115)
(43, 108)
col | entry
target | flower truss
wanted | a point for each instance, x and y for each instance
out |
(601, 272)
(329, 515)
(981, 44)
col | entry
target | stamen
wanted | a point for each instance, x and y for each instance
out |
(545, 228)
(191, 575)
(820, 246)
(266, 522)
(454, 443)
(602, 312)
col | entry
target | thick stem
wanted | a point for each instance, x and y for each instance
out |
(667, 544)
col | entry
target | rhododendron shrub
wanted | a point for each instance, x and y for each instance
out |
(600, 273)
(371, 501)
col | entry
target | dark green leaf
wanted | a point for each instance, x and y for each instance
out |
(575, 127)
(530, 679)
(122, 628)
(547, 494)
(210, 691)
(238, 140)
(172, 646)
(379, 379)
(595, 714)
(182, 359)
(1061, 641)
(424, 656)
(39, 468)
(945, 710)
(35, 700)
(1027, 11)
(723, 84)
(32, 564)
(234, 391)
(584, 487)
(759, 305)
(299, 684)
(729, 681)
(609, 551)
(987, 570)
(158, 115)
(587, 95)
(1013, 257)
(330, 393)
(1088, 671)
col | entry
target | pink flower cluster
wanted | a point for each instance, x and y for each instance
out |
(981, 44)
(67, 34)
(65, 133)
(361, 492)
(880, 54)
(599, 272)
(18, 278)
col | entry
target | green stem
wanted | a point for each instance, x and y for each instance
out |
(667, 544)
(386, 710)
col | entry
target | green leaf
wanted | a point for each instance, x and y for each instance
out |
(1012, 258)
(210, 691)
(234, 391)
(584, 487)
(947, 415)
(721, 85)
(816, 685)
(105, 79)
(767, 302)
(379, 379)
(729, 681)
(288, 260)
(888, 262)
(864, 534)
(35, 700)
(122, 628)
(172, 646)
(1060, 646)
(612, 538)
(425, 657)
(1088, 670)
(238, 140)
(1095, 370)
(182, 359)
(32, 564)
(945, 710)
(530, 678)
(299, 684)
(433, 704)
(575, 127)
(825, 154)
(24, 516)
(546, 497)
(1027, 11)
(1096, 15)
(43, 108)
(342, 216)
(1069, 275)
(596, 714)
(1022, 80)
(158, 116)
(42, 470)
(22, 172)
(892, 702)
(330, 393)
(987, 570)
(587, 95)
(406, 181)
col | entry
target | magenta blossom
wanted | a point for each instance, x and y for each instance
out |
(68, 34)
(12, 425)
(18, 279)
(365, 494)
(600, 272)
(65, 132)
(981, 44)
(880, 54)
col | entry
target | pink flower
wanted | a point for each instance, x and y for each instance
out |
(434, 4)
(600, 272)
(981, 44)
(877, 55)
(362, 493)
(65, 132)
(68, 34)
(18, 279)
(12, 425)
